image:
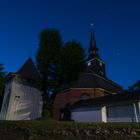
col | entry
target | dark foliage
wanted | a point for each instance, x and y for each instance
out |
(70, 63)
(49, 46)
(58, 64)
(136, 85)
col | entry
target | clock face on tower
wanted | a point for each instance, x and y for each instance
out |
(100, 63)
(96, 66)
(89, 63)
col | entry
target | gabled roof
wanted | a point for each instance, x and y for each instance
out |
(28, 70)
(92, 80)
(124, 96)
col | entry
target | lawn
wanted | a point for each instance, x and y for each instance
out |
(55, 130)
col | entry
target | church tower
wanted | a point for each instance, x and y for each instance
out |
(92, 83)
(94, 63)
(22, 99)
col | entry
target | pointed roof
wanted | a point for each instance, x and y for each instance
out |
(93, 50)
(92, 46)
(28, 70)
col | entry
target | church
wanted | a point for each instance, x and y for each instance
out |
(92, 98)
(96, 98)
(92, 83)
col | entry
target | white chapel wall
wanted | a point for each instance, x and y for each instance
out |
(6, 100)
(87, 115)
(25, 103)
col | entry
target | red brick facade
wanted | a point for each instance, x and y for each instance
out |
(71, 96)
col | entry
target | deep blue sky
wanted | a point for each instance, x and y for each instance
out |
(117, 31)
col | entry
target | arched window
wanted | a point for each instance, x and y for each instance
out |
(84, 96)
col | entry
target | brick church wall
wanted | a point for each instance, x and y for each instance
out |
(71, 96)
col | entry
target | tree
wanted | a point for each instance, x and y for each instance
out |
(2, 82)
(69, 64)
(49, 45)
(136, 85)
(58, 64)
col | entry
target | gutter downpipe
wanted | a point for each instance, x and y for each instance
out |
(135, 112)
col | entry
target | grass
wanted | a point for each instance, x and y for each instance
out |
(55, 130)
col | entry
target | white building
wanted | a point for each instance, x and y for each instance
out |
(22, 100)
(122, 107)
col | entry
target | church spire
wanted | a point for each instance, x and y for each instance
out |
(93, 50)
(94, 63)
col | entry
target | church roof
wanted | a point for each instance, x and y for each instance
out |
(120, 97)
(91, 77)
(28, 70)
(91, 80)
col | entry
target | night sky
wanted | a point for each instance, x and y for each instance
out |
(117, 31)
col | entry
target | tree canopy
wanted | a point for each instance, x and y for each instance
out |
(136, 85)
(49, 46)
(59, 63)
(70, 62)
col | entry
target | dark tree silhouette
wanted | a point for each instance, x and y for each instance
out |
(136, 85)
(49, 46)
(58, 64)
